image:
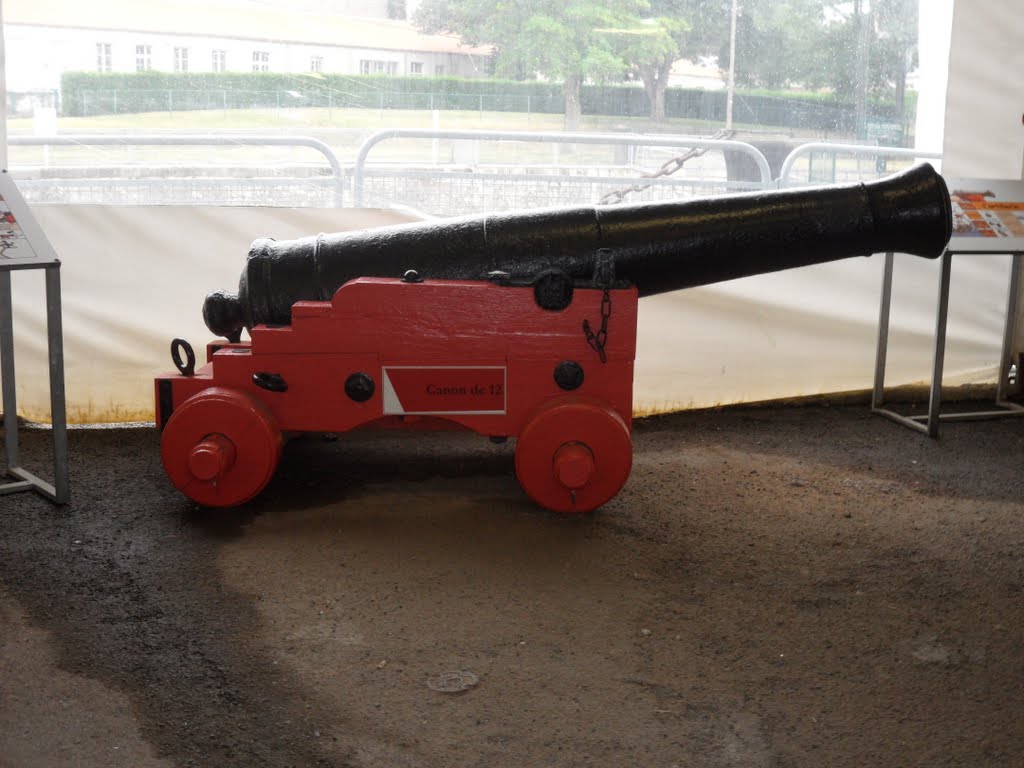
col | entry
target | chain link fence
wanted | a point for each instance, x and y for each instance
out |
(249, 190)
(141, 180)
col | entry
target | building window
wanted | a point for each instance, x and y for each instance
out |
(260, 61)
(439, 70)
(181, 59)
(316, 64)
(220, 61)
(103, 57)
(370, 67)
(143, 58)
(415, 67)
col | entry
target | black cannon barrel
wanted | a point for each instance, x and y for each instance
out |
(656, 246)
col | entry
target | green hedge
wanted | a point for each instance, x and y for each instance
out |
(91, 93)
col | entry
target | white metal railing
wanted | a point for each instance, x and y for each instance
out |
(856, 150)
(362, 170)
(337, 196)
(426, 171)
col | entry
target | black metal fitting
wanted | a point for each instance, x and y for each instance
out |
(569, 375)
(272, 382)
(360, 387)
(186, 367)
(552, 290)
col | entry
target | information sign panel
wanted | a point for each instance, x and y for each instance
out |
(988, 216)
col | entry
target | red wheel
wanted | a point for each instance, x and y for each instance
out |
(221, 447)
(574, 456)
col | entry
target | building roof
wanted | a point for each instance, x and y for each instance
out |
(210, 18)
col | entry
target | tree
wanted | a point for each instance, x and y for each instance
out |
(811, 44)
(779, 44)
(652, 46)
(858, 49)
(571, 41)
(874, 48)
(896, 28)
(396, 9)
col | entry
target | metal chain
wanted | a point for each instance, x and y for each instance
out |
(598, 340)
(667, 169)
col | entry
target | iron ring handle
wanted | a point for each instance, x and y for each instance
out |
(188, 367)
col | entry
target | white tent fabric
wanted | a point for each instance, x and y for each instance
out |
(984, 125)
(134, 277)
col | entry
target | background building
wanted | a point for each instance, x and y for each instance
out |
(48, 37)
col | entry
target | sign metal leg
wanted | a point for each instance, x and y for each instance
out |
(941, 317)
(1009, 331)
(58, 415)
(23, 479)
(10, 401)
(882, 347)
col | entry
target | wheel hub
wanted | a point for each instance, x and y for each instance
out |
(574, 465)
(212, 457)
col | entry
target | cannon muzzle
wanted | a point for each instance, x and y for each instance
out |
(658, 247)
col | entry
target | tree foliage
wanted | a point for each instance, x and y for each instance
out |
(652, 45)
(808, 44)
(781, 44)
(396, 9)
(571, 41)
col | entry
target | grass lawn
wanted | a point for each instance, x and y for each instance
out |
(344, 130)
(316, 120)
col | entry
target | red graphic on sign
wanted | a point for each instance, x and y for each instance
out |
(444, 390)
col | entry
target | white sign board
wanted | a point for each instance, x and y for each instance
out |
(22, 242)
(988, 216)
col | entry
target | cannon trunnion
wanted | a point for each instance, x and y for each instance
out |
(511, 326)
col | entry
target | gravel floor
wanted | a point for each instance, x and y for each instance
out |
(805, 586)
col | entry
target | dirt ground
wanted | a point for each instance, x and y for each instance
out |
(774, 587)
